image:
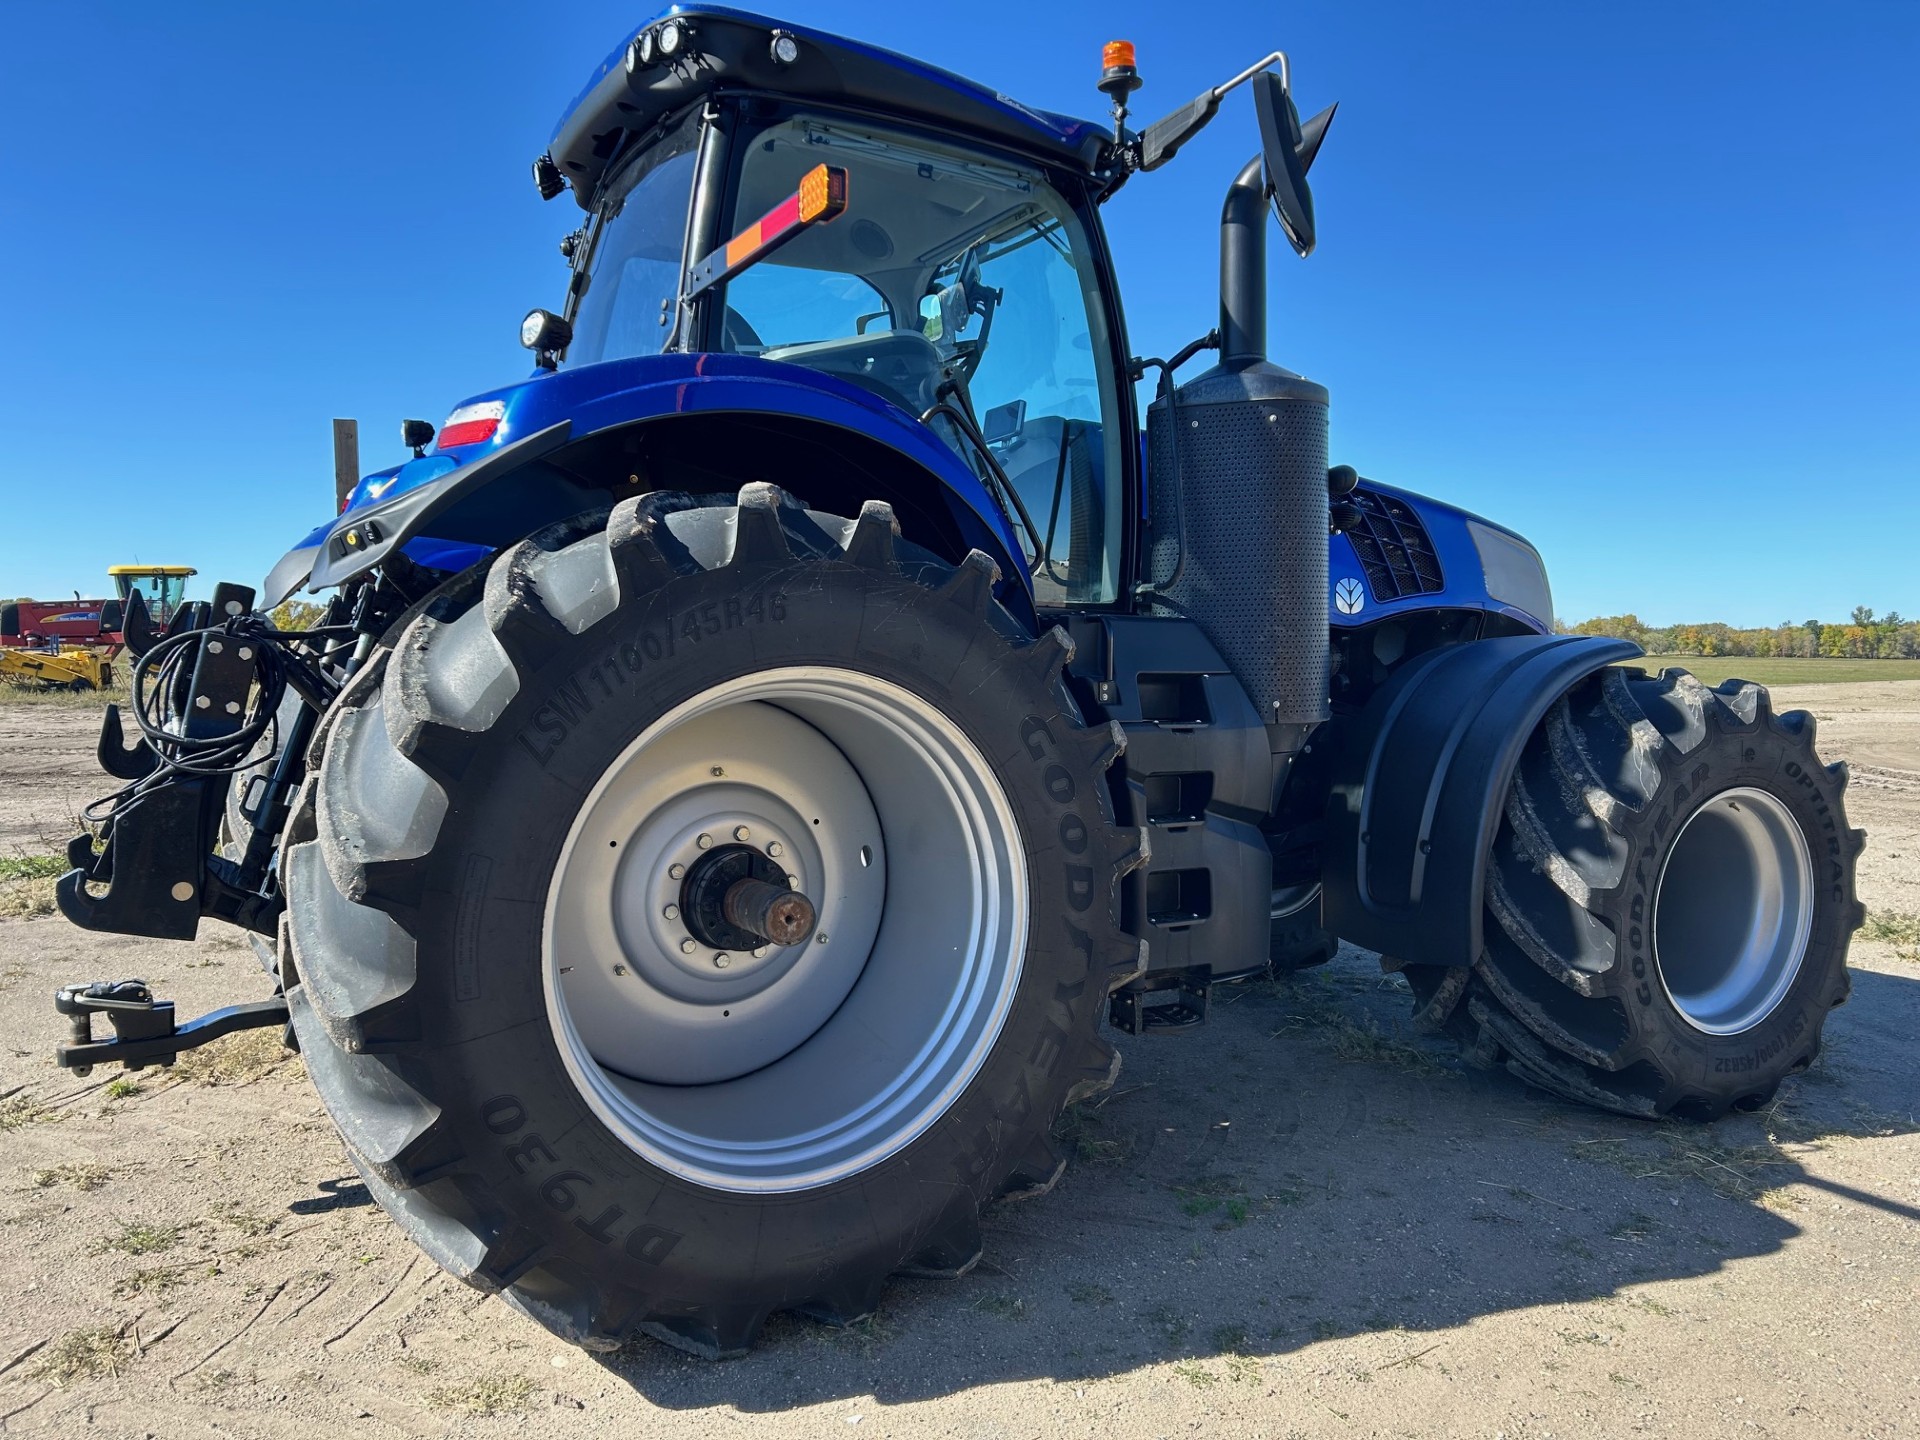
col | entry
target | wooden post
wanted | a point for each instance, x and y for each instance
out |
(346, 460)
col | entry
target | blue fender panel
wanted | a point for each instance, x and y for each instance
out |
(1419, 780)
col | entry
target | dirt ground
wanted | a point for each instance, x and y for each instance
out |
(1297, 1221)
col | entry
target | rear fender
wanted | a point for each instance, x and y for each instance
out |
(558, 429)
(1419, 780)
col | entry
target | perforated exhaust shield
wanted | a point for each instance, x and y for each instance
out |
(1250, 493)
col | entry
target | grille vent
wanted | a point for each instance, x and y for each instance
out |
(1393, 547)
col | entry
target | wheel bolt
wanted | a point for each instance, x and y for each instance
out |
(775, 849)
(705, 842)
(793, 882)
(718, 771)
(720, 962)
(760, 952)
(676, 872)
(672, 912)
(687, 947)
(619, 969)
(740, 832)
(821, 937)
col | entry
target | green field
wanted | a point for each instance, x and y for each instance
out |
(1784, 672)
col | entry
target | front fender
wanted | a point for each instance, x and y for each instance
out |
(593, 399)
(1419, 781)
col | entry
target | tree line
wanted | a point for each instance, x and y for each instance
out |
(1865, 637)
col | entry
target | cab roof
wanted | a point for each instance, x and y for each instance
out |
(732, 50)
(151, 570)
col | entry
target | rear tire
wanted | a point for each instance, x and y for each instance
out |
(458, 968)
(1670, 899)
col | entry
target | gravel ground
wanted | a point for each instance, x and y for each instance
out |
(1299, 1220)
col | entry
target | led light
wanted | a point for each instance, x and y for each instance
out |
(816, 193)
(822, 196)
(673, 38)
(640, 52)
(471, 424)
(785, 48)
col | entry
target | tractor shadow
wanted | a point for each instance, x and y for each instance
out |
(1304, 1168)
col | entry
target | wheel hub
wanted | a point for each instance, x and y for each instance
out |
(739, 898)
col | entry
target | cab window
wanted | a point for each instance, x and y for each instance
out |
(953, 279)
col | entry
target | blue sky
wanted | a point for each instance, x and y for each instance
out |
(1635, 279)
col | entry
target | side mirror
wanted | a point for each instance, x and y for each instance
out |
(1284, 146)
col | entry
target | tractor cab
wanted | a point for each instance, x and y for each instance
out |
(966, 285)
(162, 587)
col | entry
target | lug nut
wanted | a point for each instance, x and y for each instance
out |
(760, 952)
(705, 842)
(676, 872)
(775, 849)
(672, 912)
(821, 937)
(619, 969)
(720, 962)
(740, 832)
(687, 947)
(718, 771)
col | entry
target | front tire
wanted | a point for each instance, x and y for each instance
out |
(1670, 899)
(568, 1090)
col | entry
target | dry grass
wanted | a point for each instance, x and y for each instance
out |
(84, 1354)
(1892, 928)
(235, 1059)
(79, 1176)
(137, 1237)
(21, 1109)
(27, 897)
(115, 693)
(492, 1395)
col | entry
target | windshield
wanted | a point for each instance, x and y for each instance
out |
(951, 278)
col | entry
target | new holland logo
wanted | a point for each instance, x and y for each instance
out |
(1348, 597)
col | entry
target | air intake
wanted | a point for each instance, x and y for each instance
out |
(1393, 547)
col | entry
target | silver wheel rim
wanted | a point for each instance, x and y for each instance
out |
(1732, 911)
(786, 1068)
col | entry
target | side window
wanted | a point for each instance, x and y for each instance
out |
(1036, 385)
(773, 305)
(635, 277)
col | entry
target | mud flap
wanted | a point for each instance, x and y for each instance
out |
(1418, 785)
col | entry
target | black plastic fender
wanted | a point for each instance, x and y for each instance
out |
(1419, 780)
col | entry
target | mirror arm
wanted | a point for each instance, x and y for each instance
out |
(1162, 140)
(1278, 57)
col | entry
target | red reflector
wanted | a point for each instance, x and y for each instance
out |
(468, 432)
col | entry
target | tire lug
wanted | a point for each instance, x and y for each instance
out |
(775, 849)
(740, 832)
(672, 912)
(705, 842)
(721, 962)
(687, 947)
(676, 872)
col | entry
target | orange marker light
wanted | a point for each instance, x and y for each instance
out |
(822, 196)
(1116, 53)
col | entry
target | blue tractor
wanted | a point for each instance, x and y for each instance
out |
(741, 767)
